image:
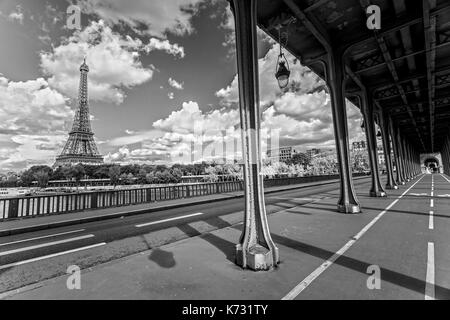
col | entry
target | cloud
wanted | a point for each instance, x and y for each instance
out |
(175, 84)
(16, 15)
(125, 156)
(21, 103)
(190, 134)
(154, 18)
(302, 112)
(34, 119)
(164, 45)
(190, 115)
(302, 80)
(113, 61)
(173, 137)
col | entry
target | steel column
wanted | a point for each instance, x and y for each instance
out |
(348, 202)
(401, 154)
(376, 189)
(405, 155)
(411, 169)
(408, 160)
(446, 156)
(398, 163)
(384, 127)
(256, 249)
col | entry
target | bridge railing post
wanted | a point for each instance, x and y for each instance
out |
(13, 210)
(94, 197)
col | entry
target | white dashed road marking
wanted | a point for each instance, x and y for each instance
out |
(42, 237)
(50, 256)
(431, 221)
(47, 244)
(166, 220)
(429, 287)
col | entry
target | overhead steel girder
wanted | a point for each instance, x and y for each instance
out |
(430, 45)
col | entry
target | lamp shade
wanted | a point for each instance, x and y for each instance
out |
(282, 75)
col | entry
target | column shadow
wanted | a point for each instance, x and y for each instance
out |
(227, 247)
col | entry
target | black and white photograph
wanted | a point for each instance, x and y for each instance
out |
(224, 156)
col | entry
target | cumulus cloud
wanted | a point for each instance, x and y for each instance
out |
(300, 115)
(185, 135)
(175, 84)
(164, 45)
(302, 81)
(16, 15)
(113, 60)
(185, 119)
(302, 112)
(125, 156)
(154, 18)
(21, 103)
(34, 119)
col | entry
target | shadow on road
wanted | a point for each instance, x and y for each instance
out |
(227, 247)
(162, 258)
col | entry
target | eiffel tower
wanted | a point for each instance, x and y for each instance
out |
(80, 147)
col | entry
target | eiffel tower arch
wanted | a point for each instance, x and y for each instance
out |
(80, 146)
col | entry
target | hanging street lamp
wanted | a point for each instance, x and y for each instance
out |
(282, 72)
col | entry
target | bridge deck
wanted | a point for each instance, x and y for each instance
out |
(394, 233)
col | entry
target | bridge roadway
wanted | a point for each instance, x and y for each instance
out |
(324, 254)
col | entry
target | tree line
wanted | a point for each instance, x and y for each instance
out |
(40, 175)
(298, 165)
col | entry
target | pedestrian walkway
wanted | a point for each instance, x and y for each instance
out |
(324, 255)
(59, 220)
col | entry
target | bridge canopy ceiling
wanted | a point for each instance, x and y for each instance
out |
(405, 65)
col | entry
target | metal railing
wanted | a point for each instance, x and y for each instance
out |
(29, 206)
(39, 205)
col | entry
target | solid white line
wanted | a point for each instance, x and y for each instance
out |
(170, 219)
(431, 221)
(429, 287)
(444, 177)
(36, 238)
(50, 255)
(309, 279)
(47, 244)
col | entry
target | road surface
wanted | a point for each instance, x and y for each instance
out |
(325, 254)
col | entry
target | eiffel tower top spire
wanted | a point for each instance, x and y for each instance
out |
(82, 121)
(81, 147)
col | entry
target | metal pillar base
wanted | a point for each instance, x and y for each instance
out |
(349, 208)
(377, 194)
(258, 258)
(391, 187)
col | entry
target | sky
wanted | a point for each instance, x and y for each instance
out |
(162, 81)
